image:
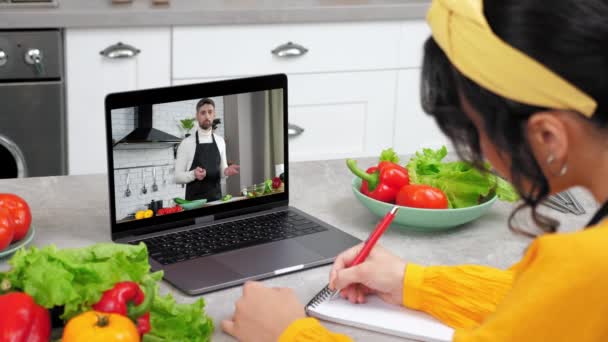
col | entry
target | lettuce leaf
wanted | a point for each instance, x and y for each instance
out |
(178, 322)
(76, 278)
(389, 155)
(463, 184)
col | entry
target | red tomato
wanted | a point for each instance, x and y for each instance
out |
(7, 229)
(20, 213)
(422, 196)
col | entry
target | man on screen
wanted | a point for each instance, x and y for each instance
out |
(201, 158)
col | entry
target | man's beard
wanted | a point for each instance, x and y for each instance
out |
(206, 125)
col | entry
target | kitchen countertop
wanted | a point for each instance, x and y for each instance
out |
(102, 13)
(72, 211)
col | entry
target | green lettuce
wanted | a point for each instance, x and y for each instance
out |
(389, 155)
(76, 278)
(463, 184)
(178, 322)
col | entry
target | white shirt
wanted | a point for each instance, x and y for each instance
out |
(187, 149)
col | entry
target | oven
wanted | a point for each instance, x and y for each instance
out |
(32, 104)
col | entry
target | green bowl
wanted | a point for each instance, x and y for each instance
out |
(423, 219)
(13, 247)
(194, 204)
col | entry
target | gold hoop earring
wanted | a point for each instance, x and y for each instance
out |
(563, 170)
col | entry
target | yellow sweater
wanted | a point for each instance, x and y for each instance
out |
(557, 292)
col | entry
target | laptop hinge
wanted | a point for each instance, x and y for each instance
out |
(204, 219)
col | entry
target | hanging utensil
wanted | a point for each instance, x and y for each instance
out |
(144, 190)
(164, 179)
(154, 186)
(128, 191)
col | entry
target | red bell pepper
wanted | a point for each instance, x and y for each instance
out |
(22, 320)
(381, 182)
(276, 182)
(127, 298)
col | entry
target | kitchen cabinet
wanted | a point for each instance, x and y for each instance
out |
(90, 76)
(343, 115)
(353, 87)
(413, 128)
(223, 51)
(349, 91)
(413, 34)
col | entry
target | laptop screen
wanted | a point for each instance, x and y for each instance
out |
(178, 156)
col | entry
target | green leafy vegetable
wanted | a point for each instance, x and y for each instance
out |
(463, 184)
(389, 155)
(76, 278)
(267, 186)
(187, 124)
(178, 322)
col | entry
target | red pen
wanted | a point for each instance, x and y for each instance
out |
(374, 236)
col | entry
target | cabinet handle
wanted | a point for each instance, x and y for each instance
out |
(294, 130)
(289, 50)
(120, 50)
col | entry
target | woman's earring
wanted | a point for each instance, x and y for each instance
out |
(563, 170)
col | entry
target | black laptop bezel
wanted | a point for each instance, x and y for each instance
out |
(188, 92)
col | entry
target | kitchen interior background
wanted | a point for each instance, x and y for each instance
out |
(246, 120)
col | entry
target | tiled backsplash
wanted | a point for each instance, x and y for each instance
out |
(123, 122)
(167, 188)
(167, 116)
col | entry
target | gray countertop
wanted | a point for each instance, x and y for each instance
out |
(72, 211)
(102, 13)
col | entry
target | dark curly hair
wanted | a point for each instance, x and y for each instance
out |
(569, 37)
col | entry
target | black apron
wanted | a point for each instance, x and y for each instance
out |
(208, 157)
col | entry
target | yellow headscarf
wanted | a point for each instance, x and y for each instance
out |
(461, 30)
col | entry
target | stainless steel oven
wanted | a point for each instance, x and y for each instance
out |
(32, 104)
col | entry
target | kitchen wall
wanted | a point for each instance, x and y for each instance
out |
(167, 115)
(123, 122)
(138, 176)
(250, 132)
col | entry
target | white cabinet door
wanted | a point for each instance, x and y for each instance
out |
(91, 76)
(411, 43)
(220, 51)
(413, 129)
(342, 114)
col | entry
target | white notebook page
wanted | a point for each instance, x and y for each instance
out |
(379, 316)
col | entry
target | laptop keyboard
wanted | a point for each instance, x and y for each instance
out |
(190, 244)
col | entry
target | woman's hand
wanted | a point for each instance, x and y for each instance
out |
(262, 313)
(381, 273)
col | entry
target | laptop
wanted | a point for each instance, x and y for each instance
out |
(200, 174)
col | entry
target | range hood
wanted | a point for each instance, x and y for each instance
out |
(144, 135)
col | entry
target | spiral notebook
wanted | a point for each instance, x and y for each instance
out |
(379, 316)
